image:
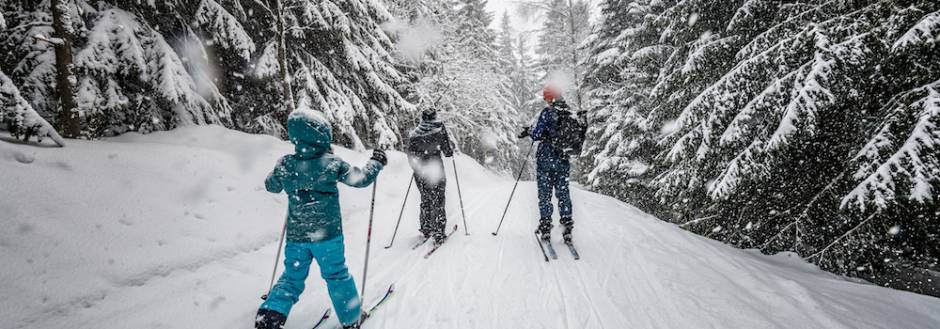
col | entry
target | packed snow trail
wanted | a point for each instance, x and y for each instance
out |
(174, 230)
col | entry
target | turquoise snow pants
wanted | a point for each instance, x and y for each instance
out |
(331, 258)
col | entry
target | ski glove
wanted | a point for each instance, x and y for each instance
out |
(525, 132)
(379, 156)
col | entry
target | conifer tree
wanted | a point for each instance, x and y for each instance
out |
(806, 126)
(565, 24)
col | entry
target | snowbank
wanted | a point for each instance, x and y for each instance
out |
(174, 230)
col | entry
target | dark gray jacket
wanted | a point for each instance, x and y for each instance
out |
(429, 140)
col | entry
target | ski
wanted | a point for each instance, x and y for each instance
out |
(421, 241)
(365, 315)
(388, 293)
(326, 315)
(550, 249)
(574, 252)
(433, 249)
(547, 249)
(541, 246)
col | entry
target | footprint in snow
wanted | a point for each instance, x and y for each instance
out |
(23, 157)
(25, 228)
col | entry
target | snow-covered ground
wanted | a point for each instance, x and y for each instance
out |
(174, 230)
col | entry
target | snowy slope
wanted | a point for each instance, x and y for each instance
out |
(174, 230)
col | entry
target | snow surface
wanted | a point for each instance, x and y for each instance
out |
(174, 230)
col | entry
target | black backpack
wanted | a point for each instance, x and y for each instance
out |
(569, 134)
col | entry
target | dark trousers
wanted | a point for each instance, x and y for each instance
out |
(433, 215)
(553, 176)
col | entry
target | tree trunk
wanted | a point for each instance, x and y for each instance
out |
(68, 118)
(282, 63)
(574, 55)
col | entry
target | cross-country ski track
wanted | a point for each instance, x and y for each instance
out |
(175, 230)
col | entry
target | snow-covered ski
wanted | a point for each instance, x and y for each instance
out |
(436, 246)
(574, 252)
(368, 314)
(547, 249)
(421, 241)
(550, 249)
(324, 317)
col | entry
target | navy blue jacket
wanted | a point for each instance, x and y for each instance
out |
(544, 131)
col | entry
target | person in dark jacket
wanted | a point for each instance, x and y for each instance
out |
(426, 143)
(552, 167)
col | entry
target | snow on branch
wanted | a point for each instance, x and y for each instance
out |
(121, 45)
(903, 158)
(789, 28)
(927, 31)
(113, 46)
(22, 118)
(53, 41)
(266, 65)
(810, 95)
(224, 28)
(747, 13)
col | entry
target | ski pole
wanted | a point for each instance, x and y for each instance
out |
(521, 170)
(402, 212)
(365, 267)
(453, 162)
(277, 258)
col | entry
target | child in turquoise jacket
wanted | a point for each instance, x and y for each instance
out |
(314, 221)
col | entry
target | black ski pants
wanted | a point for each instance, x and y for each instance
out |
(433, 215)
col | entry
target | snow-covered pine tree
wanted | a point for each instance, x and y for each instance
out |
(209, 60)
(461, 77)
(623, 58)
(521, 89)
(478, 39)
(127, 76)
(565, 24)
(804, 126)
(340, 62)
(132, 80)
(28, 61)
(19, 117)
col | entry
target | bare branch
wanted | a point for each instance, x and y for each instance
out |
(683, 225)
(820, 253)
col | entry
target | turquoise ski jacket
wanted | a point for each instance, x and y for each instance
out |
(309, 178)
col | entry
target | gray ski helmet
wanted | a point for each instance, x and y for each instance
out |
(429, 114)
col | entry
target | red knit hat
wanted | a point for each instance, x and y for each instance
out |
(550, 93)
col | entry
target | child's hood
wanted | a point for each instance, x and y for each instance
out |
(310, 132)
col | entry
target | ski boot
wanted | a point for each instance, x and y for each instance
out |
(545, 229)
(568, 223)
(357, 325)
(268, 319)
(424, 232)
(439, 239)
(436, 231)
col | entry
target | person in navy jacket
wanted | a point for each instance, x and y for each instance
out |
(552, 166)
